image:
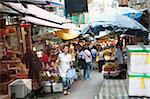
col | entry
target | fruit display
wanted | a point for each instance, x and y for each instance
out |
(109, 54)
(51, 77)
(110, 66)
(109, 51)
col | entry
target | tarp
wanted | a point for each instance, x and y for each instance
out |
(33, 10)
(49, 24)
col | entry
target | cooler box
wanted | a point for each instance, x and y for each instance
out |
(138, 58)
(57, 87)
(139, 84)
(20, 88)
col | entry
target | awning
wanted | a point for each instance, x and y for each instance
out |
(49, 24)
(37, 12)
(9, 12)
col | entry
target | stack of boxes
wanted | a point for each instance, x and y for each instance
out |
(139, 70)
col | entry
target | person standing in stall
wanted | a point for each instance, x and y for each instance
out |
(45, 58)
(64, 61)
(119, 55)
(35, 65)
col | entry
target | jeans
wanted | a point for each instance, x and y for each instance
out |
(66, 83)
(87, 71)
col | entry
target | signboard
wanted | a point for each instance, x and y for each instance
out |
(11, 20)
(76, 6)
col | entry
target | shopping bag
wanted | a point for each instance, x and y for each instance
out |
(71, 73)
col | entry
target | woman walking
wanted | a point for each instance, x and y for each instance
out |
(88, 59)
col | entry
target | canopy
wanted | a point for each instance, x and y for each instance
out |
(119, 21)
(116, 23)
(33, 10)
(49, 24)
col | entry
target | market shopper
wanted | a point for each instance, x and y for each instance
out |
(88, 59)
(35, 65)
(81, 60)
(64, 61)
(94, 53)
(101, 60)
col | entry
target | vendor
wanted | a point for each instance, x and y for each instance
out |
(33, 62)
(118, 54)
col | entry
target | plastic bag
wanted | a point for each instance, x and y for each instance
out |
(71, 73)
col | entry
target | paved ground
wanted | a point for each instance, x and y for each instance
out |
(81, 89)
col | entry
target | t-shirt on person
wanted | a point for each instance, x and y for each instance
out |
(87, 56)
(65, 60)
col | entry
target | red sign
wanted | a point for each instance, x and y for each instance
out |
(25, 25)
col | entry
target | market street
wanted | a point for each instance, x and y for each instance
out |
(74, 49)
(82, 89)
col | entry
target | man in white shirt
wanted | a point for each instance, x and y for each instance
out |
(88, 59)
(64, 60)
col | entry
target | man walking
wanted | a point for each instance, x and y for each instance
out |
(64, 60)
